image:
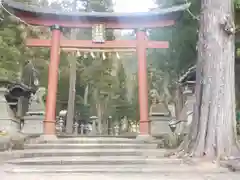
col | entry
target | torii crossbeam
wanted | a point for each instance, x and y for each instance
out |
(56, 20)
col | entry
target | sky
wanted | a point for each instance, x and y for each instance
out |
(133, 5)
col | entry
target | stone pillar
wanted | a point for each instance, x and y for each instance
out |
(110, 131)
(75, 128)
(81, 129)
(94, 127)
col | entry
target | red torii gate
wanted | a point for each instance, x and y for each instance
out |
(56, 20)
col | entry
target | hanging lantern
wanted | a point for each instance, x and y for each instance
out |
(98, 33)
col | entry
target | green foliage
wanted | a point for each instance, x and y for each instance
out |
(10, 48)
(122, 106)
(170, 63)
(237, 3)
(92, 72)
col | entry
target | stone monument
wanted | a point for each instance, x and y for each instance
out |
(94, 126)
(33, 120)
(159, 116)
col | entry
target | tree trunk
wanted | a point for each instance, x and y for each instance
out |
(98, 110)
(99, 115)
(86, 95)
(71, 96)
(72, 81)
(213, 131)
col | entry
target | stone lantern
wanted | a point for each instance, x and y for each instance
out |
(94, 127)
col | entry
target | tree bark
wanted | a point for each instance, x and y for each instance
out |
(72, 84)
(98, 110)
(72, 81)
(213, 131)
(86, 95)
(99, 114)
(71, 96)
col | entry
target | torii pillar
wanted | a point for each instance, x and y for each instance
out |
(142, 81)
(50, 117)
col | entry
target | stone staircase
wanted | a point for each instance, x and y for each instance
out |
(94, 155)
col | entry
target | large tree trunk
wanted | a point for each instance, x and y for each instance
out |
(213, 132)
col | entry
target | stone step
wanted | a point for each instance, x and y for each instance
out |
(29, 153)
(139, 168)
(89, 140)
(90, 146)
(104, 160)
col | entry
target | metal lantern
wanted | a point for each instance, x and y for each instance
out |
(98, 33)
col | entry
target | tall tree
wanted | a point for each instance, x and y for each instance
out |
(72, 78)
(213, 131)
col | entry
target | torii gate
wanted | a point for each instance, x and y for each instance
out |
(99, 20)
